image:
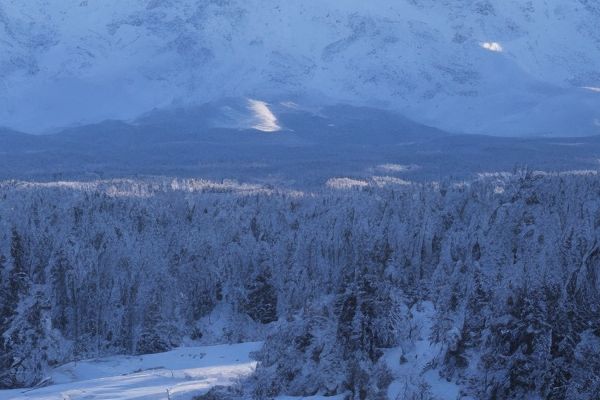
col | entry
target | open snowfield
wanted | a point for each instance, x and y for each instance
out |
(178, 374)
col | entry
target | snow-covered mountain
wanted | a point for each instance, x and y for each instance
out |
(513, 67)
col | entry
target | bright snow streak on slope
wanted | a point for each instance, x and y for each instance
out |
(264, 119)
(493, 46)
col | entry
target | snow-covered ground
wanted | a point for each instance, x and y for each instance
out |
(415, 367)
(178, 374)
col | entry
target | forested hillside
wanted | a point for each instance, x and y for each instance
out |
(335, 281)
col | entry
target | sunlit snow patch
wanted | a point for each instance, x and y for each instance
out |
(179, 374)
(290, 104)
(382, 181)
(264, 119)
(345, 183)
(394, 167)
(492, 46)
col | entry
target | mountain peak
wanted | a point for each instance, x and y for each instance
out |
(436, 62)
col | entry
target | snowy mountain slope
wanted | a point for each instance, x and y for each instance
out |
(512, 68)
(178, 374)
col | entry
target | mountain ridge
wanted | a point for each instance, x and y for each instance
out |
(310, 148)
(473, 67)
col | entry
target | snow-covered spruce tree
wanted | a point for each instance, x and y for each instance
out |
(7, 312)
(30, 343)
(362, 335)
(261, 304)
(16, 288)
(61, 282)
(152, 338)
(338, 340)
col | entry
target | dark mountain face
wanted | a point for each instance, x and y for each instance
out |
(216, 141)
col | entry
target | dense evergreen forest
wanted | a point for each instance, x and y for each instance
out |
(331, 280)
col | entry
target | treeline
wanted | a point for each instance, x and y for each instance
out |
(328, 279)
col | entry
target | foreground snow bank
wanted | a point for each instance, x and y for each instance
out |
(179, 374)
